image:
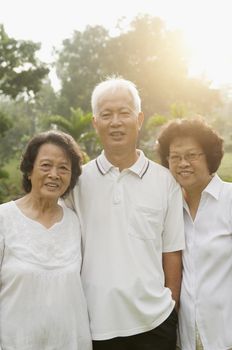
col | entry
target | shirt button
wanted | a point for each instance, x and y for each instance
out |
(117, 200)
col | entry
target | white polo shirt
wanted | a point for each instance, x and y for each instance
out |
(128, 219)
(206, 294)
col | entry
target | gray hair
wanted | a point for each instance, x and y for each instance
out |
(112, 84)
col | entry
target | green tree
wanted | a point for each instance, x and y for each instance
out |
(156, 59)
(148, 53)
(80, 66)
(79, 125)
(5, 125)
(20, 70)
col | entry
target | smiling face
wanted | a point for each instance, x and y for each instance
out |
(188, 164)
(51, 172)
(117, 123)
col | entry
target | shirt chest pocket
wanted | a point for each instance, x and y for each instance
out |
(146, 223)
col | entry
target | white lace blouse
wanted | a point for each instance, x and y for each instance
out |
(42, 306)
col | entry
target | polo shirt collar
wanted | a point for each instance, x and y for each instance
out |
(214, 187)
(139, 167)
(103, 164)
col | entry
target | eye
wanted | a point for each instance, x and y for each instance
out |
(45, 166)
(64, 169)
(174, 158)
(125, 114)
(105, 115)
(191, 156)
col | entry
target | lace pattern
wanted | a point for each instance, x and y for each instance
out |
(30, 241)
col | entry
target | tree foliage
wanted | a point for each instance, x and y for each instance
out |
(5, 123)
(79, 125)
(80, 66)
(20, 70)
(147, 53)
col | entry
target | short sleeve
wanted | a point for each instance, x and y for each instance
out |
(173, 237)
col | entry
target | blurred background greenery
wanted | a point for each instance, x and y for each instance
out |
(146, 52)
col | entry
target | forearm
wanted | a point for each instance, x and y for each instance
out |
(172, 266)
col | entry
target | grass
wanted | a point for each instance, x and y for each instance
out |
(225, 169)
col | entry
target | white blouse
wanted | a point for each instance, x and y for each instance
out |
(42, 305)
(206, 292)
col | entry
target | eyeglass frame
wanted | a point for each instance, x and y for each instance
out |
(189, 157)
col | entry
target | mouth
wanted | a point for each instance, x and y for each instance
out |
(52, 185)
(116, 133)
(184, 173)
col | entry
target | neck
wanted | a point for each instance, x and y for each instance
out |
(44, 211)
(38, 204)
(192, 197)
(122, 160)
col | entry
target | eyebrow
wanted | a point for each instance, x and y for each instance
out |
(189, 150)
(49, 160)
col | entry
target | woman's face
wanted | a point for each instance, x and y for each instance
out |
(188, 164)
(51, 174)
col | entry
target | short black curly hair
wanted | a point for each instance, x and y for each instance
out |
(58, 138)
(197, 128)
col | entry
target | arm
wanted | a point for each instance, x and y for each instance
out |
(172, 266)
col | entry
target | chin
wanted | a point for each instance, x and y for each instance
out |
(52, 195)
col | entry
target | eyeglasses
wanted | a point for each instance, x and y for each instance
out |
(189, 157)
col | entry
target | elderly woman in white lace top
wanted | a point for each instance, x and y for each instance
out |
(42, 306)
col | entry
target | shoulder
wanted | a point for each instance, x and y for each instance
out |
(224, 187)
(227, 189)
(160, 170)
(69, 214)
(88, 167)
(6, 216)
(158, 167)
(89, 171)
(6, 208)
(162, 177)
(227, 185)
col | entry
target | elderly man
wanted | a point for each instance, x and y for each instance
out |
(132, 228)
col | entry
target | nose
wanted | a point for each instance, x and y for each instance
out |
(115, 120)
(53, 173)
(183, 161)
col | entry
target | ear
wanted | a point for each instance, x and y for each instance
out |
(94, 122)
(140, 120)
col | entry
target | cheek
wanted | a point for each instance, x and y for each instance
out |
(172, 169)
(100, 129)
(67, 180)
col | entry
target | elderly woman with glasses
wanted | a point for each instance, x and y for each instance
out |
(192, 151)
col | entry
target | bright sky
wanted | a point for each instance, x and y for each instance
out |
(207, 26)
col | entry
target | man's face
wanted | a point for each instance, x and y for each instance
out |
(116, 122)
